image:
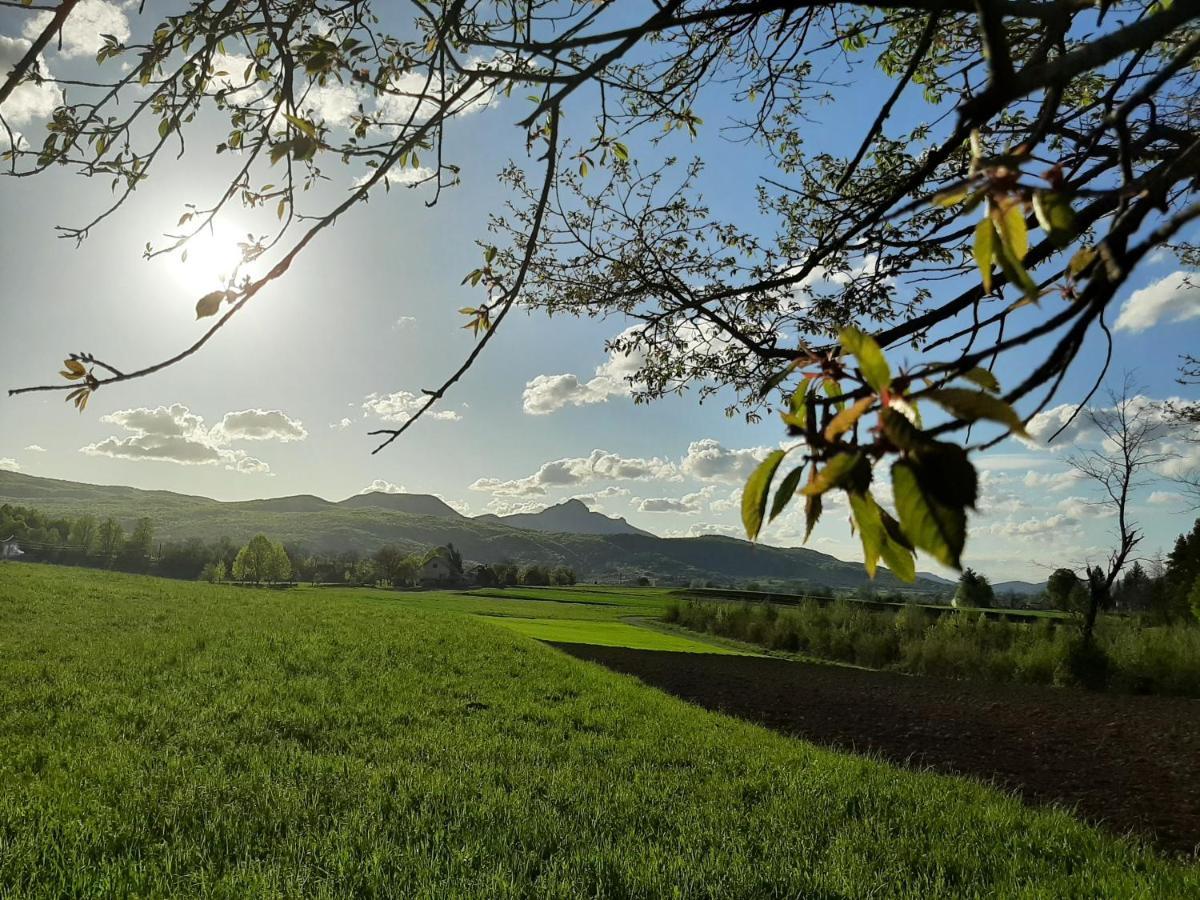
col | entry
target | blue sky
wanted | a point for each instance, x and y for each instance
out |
(369, 316)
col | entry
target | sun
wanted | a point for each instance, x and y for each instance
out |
(211, 258)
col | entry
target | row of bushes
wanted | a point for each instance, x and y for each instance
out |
(1132, 657)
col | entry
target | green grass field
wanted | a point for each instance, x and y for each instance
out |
(173, 739)
(607, 634)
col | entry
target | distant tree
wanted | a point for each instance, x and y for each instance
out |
(507, 574)
(140, 545)
(535, 575)
(562, 575)
(1194, 599)
(110, 540)
(974, 590)
(393, 565)
(485, 576)
(1130, 447)
(1133, 592)
(84, 534)
(1065, 591)
(280, 565)
(454, 560)
(643, 581)
(1180, 571)
(256, 562)
(213, 572)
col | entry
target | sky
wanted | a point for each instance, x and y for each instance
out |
(281, 400)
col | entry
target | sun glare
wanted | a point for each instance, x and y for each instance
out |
(210, 259)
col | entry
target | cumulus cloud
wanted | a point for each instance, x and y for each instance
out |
(35, 448)
(334, 104)
(259, 425)
(599, 465)
(702, 529)
(688, 505)
(8, 464)
(81, 33)
(174, 434)
(1051, 481)
(404, 322)
(379, 486)
(1174, 298)
(29, 101)
(1160, 498)
(707, 460)
(1049, 526)
(400, 405)
(613, 378)
(343, 424)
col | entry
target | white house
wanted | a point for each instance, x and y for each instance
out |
(9, 549)
(435, 571)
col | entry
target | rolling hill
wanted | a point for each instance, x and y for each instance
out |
(368, 521)
(570, 516)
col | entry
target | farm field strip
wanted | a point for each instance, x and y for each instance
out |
(177, 739)
(609, 634)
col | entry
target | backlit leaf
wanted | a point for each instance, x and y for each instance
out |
(209, 304)
(787, 488)
(844, 470)
(754, 494)
(935, 527)
(970, 406)
(845, 420)
(984, 250)
(870, 358)
(1055, 215)
(983, 378)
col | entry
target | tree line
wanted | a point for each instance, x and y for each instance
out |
(87, 540)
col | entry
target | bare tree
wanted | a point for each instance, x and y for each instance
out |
(1129, 448)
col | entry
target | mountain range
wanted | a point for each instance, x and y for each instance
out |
(597, 547)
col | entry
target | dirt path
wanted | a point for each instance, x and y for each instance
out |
(1127, 763)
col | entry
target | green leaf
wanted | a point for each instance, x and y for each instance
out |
(1016, 273)
(882, 538)
(834, 389)
(985, 250)
(1080, 262)
(903, 433)
(935, 527)
(870, 528)
(812, 512)
(970, 406)
(787, 488)
(754, 494)
(303, 125)
(871, 361)
(845, 420)
(1014, 234)
(1054, 214)
(844, 470)
(897, 550)
(775, 380)
(620, 151)
(983, 378)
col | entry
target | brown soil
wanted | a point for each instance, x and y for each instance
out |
(1126, 763)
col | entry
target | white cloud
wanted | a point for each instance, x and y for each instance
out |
(1174, 298)
(400, 405)
(707, 460)
(173, 434)
(343, 424)
(379, 486)
(334, 104)
(29, 101)
(462, 507)
(81, 33)
(613, 378)
(1037, 526)
(599, 465)
(1051, 481)
(1163, 497)
(259, 425)
(701, 529)
(688, 505)
(397, 176)
(35, 448)
(8, 464)
(404, 322)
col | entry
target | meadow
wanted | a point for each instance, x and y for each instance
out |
(165, 738)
